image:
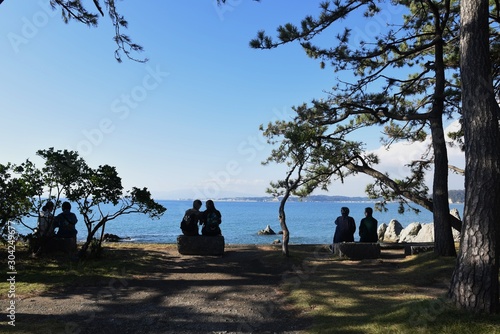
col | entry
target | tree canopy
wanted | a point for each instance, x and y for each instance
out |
(404, 79)
(97, 192)
(407, 80)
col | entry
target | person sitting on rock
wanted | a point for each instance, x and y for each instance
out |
(66, 222)
(344, 232)
(189, 223)
(368, 227)
(211, 219)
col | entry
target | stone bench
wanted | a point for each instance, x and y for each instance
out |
(414, 249)
(357, 250)
(200, 245)
(66, 245)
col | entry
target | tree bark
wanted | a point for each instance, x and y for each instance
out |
(444, 244)
(474, 285)
(284, 227)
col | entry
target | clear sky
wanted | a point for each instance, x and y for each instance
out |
(186, 123)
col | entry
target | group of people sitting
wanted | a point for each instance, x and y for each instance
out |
(345, 227)
(50, 227)
(210, 219)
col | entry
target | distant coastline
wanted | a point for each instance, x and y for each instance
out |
(455, 196)
(313, 198)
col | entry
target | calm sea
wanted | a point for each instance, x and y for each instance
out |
(308, 222)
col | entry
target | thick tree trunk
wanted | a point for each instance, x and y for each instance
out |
(474, 284)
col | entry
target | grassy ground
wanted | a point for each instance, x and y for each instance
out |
(383, 296)
(389, 295)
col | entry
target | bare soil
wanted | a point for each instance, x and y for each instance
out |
(234, 293)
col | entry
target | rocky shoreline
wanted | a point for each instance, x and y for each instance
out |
(414, 232)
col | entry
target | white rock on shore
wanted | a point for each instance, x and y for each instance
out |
(410, 232)
(392, 231)
(414, 232)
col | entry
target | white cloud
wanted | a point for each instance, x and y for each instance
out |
(394, 161)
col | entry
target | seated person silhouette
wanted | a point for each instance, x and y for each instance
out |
(189, 223)
(211, 219)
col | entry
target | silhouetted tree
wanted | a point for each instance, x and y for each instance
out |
(404, 79)
(474, 285)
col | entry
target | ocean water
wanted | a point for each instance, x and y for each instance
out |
(308, 222)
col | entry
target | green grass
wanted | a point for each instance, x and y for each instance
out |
(376, 296)
(58, 271)
(370, 296)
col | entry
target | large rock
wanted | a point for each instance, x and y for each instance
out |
(200, 245)
(410, 232)
(426, 233)
(108, 237)
(357, 250)
(456, 234)
(455, 213)
(393, 230)
(267, 231)
(381, 231)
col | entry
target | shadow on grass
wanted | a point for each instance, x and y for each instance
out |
(387, 295)
(153, 289)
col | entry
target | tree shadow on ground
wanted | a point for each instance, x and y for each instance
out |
(156, 290)
(392, 294)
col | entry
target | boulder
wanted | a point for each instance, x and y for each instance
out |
(267, 231)
(357, 250)
(409, 233)
(381, 231)
(200, 245)
(109, 237)
(456, 234)
(393, 230)
(455, 213)
(426, 233)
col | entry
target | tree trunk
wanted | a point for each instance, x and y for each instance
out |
(284, 227)
(444, 244)
(474, 285)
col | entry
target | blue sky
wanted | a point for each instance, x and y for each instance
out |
(186, 123)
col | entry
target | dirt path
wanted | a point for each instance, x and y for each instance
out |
(238, 292)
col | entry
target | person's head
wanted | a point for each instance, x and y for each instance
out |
(49, 206)
(344, 211)
(210, 204)
(197, 204)
(66, 206)
(369, 212)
